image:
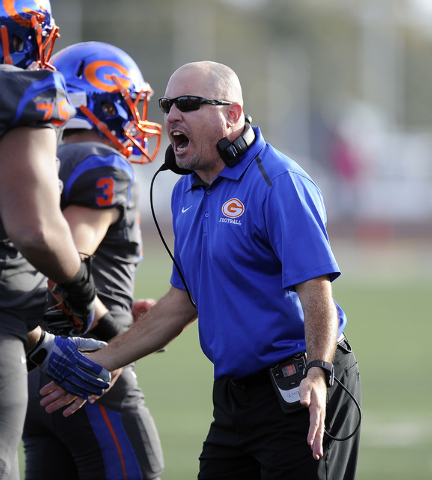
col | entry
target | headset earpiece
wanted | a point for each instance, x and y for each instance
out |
(230, 152)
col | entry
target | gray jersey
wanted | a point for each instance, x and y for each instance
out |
(36, 99)
(97, 176)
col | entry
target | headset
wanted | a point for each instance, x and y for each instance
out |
(230, 152)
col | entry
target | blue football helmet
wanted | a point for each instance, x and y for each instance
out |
(105, 85)
(27, 32)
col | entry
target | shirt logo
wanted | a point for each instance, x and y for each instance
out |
(232, 209)
(186, 209)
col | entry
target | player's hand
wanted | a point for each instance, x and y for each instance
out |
(60, 359)
(313, 394)
(141, 306)
(56, 397)
(61, 319)
(76, 309)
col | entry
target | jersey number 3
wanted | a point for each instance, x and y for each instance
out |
(107, 184)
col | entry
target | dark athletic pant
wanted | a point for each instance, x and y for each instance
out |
(252, 439)
(112, 439)
(13, 403)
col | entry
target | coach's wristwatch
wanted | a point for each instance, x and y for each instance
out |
(326, 366)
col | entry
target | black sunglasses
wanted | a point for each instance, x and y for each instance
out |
(187, 103)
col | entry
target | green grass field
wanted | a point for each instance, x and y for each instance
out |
(389, 328)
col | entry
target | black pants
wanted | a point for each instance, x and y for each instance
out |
(252, 439)
(112, 439)
(13, 403)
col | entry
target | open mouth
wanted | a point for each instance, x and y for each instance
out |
(181, 142)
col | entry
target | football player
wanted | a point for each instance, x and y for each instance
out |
(35, 239)
(114, 437)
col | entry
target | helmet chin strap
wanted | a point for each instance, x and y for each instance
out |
(5, 45)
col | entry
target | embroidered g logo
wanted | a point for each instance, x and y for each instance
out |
(233, 208)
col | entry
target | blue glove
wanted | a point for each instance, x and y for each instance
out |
(61, 361)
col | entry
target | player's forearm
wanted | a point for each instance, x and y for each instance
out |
(52, 252)
(164, 322)
(29, 202)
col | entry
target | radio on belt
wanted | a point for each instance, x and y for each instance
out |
(286, 377)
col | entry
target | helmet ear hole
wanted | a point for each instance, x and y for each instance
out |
(18, 44)
(109, 109)
(81, 70)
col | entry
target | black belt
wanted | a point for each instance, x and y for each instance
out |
(258, 377)
(263, 375)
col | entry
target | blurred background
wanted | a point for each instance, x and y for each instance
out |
(344, 87)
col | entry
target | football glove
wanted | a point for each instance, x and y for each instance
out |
(60, 359)
(75, 314)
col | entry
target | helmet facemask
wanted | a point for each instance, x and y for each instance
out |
(45, 39)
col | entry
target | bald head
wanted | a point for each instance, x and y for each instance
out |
(195, 133)
(207, 79)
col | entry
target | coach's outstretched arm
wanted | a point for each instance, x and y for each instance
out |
(151, 332)
(161, 324)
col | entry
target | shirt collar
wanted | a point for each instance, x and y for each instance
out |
(233, 173)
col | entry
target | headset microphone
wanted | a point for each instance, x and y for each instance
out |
(171, 164)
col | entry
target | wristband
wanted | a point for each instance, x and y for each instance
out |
(81, 288)
(326, 366)
(31, 363)
(107, 328)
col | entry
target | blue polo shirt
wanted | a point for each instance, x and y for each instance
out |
(242, 244)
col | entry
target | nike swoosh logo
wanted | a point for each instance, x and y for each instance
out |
(186, 209)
